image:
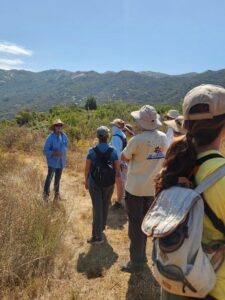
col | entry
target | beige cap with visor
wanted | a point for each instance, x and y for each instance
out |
(209, 94)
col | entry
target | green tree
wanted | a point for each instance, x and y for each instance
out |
(91, 103)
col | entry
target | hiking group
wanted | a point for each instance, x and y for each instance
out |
(173, 188)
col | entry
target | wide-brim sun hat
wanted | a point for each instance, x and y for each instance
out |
(129, 128)
(147, 118)
(57, 122)
(213, 96)
(172, 113)
(176, 125)
(118, 123)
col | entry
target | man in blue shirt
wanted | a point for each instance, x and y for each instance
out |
(101, 187)
(55, 149)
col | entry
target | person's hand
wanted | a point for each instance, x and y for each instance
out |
(58, 154)
(86, 185)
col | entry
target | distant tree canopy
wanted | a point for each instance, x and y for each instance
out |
(91, 103)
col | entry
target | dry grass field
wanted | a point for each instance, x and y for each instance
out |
(74, 270)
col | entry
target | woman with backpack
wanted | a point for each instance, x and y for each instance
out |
(190, 159)
(102, 171)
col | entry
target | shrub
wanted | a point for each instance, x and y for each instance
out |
(25, 117)
(20, 138)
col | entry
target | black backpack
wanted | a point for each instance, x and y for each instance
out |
(124, 140)
(103, 171)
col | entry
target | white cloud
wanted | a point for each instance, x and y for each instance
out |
(14, 49)
(8, 64)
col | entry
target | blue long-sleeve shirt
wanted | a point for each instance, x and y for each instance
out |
(56, 143)
(116, 141)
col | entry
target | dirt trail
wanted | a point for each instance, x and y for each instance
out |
(92, 272)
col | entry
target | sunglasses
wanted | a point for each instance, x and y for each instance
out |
(58, 125)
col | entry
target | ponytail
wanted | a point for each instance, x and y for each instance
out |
(179, 162)
(181, 156)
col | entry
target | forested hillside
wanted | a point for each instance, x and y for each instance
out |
(42, 90)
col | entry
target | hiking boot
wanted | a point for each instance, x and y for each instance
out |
(117, 205)
(45, 197)
(57, 196)
(95, 240)
(133, 268)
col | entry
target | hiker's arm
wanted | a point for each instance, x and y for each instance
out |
(129, 151)
(66, 140)
(47, 147)
(119, 184)
(123, 157)
(87, 171)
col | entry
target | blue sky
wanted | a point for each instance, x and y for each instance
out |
(170, 36)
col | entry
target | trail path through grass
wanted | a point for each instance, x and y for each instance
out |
(92, 272)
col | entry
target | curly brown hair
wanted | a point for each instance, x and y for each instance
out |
(179, 161)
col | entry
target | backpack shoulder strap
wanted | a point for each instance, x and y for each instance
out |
(201, 161)
(122, 139)
(217, 223)
(108, 152)
(98, 153)
(209, 181)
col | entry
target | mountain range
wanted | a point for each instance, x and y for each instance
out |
(20, 89)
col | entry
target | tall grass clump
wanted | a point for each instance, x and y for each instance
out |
(29, 230)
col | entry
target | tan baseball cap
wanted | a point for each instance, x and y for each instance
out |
(212, 95)
(147, 118)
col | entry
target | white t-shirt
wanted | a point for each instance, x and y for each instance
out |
(144, 152)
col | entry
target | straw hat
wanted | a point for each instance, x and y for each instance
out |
(176, 125)
(57, 122)
(118, 123)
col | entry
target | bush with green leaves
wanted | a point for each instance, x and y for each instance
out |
(81, 123)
